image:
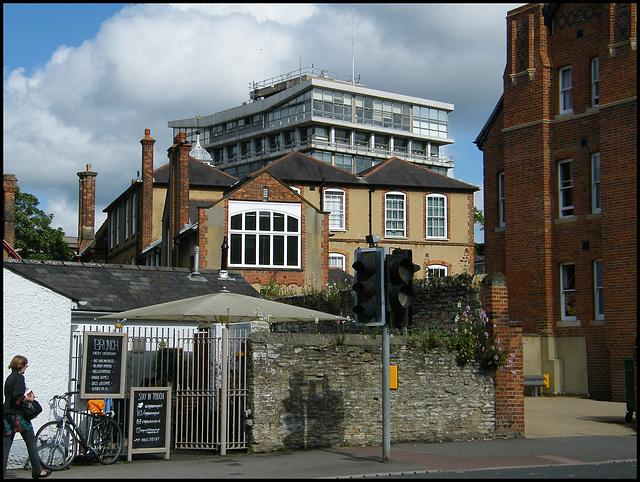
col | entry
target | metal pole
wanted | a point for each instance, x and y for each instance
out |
(386, 395)
(223, 392)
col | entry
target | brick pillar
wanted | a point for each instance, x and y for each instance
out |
(10, 186)
(509, 380)
(86, 207)
(145, 203)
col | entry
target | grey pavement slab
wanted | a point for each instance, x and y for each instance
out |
(559, 431)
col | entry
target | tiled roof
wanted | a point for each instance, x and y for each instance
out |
(114, 287)
(300, 167)
(200, 174)
(396, 172)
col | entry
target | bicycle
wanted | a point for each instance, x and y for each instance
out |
(58, 442)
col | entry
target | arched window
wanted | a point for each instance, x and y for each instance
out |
(264, 235)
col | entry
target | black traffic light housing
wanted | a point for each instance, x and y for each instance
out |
(400, 290)
(369, 284)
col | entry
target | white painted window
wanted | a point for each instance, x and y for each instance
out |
(334, 204)
(565, 188)
(501, 199)
(568, 291)
(395, 214)
(127, 219)
(134, 210)
(265, 235)
(566, 90)
(595, 81)
(595, 183)
(598, 289)
(337, 260)
(437, 216)
(436, 271)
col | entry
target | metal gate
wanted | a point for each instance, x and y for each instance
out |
(206, 369)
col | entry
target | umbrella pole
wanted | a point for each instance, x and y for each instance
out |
(223, 392)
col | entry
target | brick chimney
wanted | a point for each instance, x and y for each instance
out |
(179, 187)
(87, 207)
(10, 186)
(145, 219)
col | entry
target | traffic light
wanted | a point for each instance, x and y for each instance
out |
(400, 290)
(369, 305)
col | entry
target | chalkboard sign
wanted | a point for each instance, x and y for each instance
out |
(149, 421)
(104, 365)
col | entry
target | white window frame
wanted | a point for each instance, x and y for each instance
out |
(134, 210)
(501, 219)
(337, 260)
(431, 217)
(595, 183)
(598, 290)
(395, 217)
(111, 230)
(568, 291)
(293, 210)
(566, 90)
(595, 81)
(117, 226)
(334, 203)
(565, 190)
(126, 219)
(440, 268)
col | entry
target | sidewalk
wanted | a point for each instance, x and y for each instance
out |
(560, 430)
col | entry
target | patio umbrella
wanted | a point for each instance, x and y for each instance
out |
(223, 307)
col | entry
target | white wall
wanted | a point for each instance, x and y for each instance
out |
(36, 324)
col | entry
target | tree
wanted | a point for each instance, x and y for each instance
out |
(35, 238)
(478, 217)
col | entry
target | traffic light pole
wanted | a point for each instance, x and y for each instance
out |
(386, 394)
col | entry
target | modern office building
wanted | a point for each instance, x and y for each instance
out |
(316, 113)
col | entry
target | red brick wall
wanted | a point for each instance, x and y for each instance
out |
(527, 141)
(253, 191)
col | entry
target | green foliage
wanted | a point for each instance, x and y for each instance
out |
(470, 335)
(35, 238)
(478, 217)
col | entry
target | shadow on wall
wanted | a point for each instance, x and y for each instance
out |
(315, 413)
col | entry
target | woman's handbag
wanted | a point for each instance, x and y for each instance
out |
(29, 410)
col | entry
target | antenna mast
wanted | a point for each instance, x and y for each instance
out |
(353, 46)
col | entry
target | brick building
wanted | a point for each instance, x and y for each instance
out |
(560, 173)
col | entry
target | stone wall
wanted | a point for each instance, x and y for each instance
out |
(324, 390)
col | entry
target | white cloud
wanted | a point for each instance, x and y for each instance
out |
(150, 64)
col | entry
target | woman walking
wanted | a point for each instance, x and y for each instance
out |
(14, 395)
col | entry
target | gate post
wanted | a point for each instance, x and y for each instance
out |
(223, 425)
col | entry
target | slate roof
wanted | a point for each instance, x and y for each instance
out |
(113, 287)
(394, 172)
(200, 174)
(397, 172)
(298, 167)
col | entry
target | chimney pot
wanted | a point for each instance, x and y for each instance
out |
(147, 132)
(88, 167)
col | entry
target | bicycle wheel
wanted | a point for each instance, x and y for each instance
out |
(108, 441)
(56, 445)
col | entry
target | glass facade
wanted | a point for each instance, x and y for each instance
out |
(349, 130)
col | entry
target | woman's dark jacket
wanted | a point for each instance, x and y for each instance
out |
(14, 388)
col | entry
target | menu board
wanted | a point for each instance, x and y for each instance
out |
(104, 365)
(149, 420)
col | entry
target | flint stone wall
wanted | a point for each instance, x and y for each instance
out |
(307, 390)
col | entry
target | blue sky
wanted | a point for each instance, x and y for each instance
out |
(81, 82)
(32, 32)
